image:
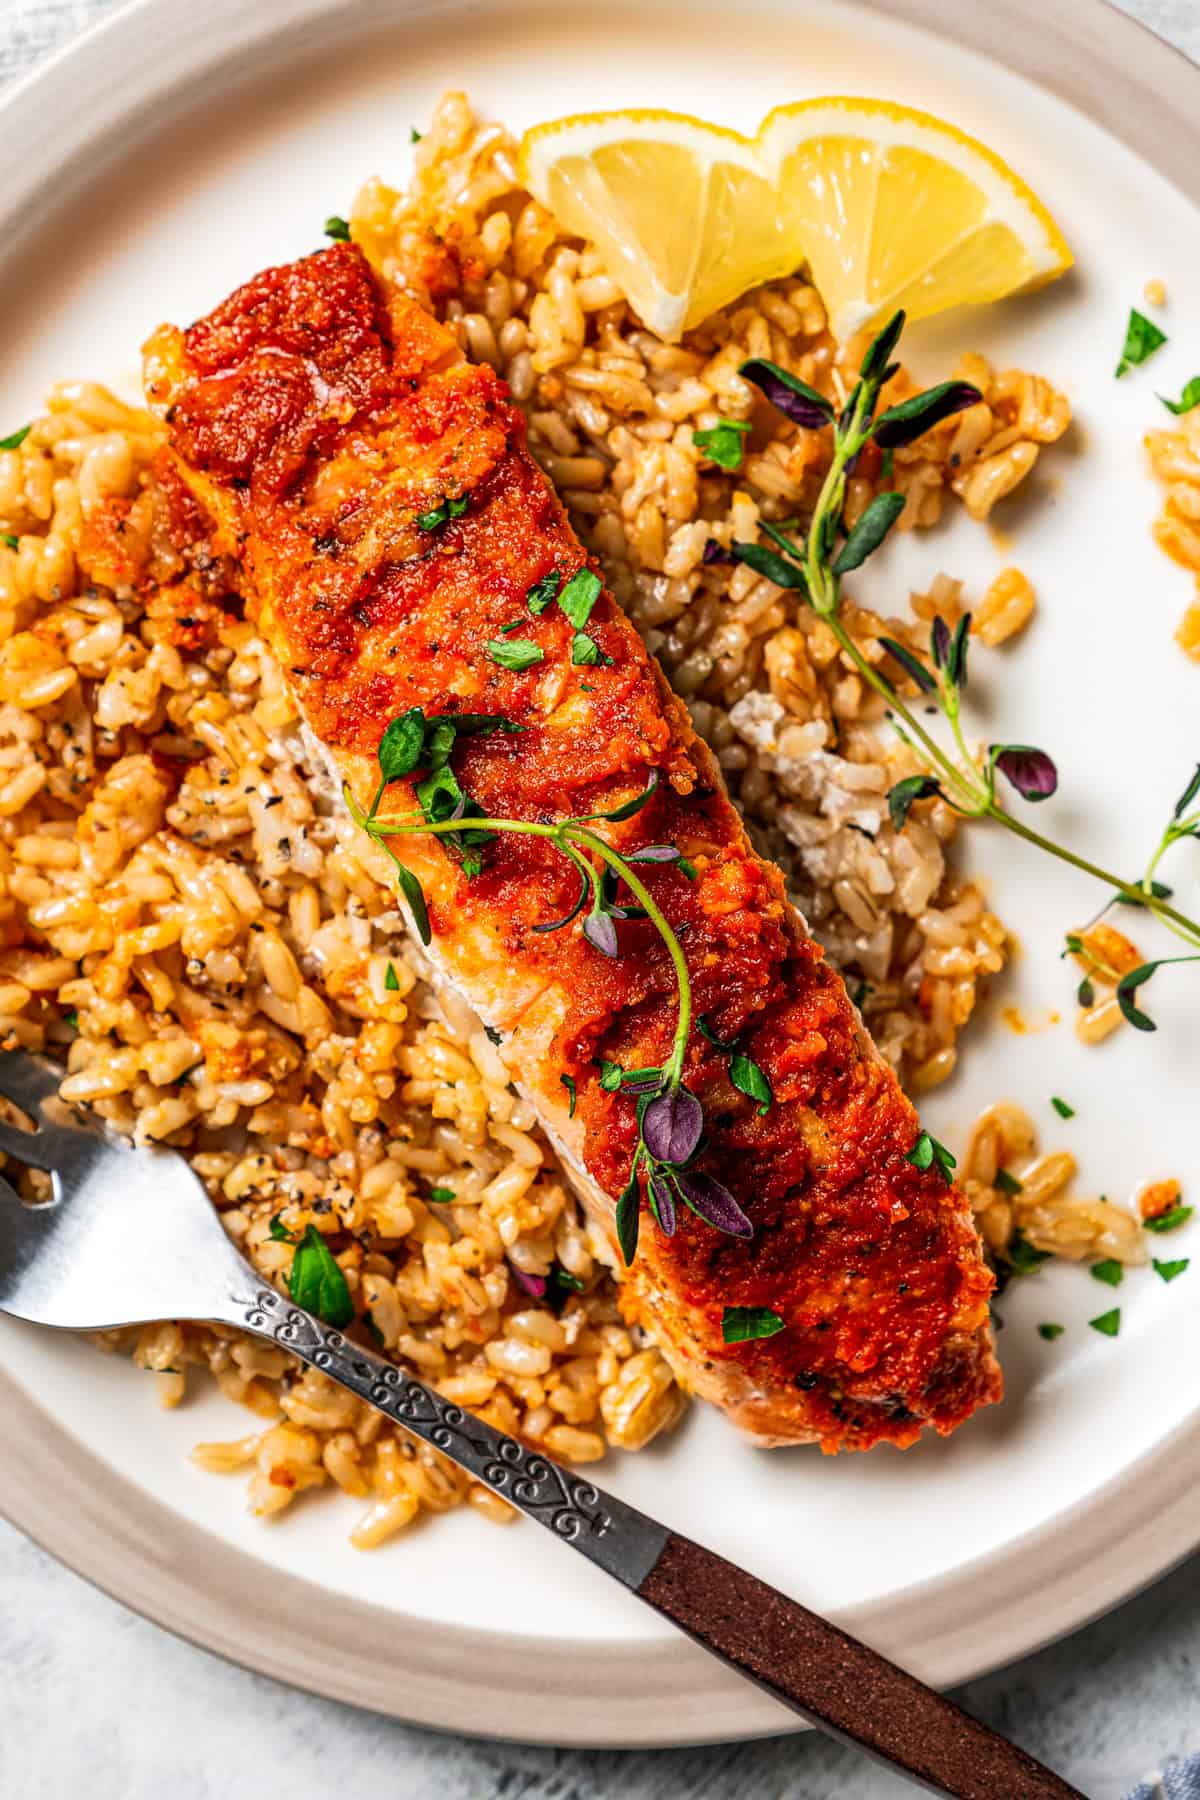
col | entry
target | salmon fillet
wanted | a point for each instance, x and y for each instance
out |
(389, 523)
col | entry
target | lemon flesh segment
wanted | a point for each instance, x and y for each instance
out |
(681, 229)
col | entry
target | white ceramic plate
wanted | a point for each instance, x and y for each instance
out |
(175, 151)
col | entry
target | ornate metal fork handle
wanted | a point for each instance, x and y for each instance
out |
(623, 1541)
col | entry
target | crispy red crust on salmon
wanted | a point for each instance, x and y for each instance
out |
(316, 421)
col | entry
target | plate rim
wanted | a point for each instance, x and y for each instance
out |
(638, 1694)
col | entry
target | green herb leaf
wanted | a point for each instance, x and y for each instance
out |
(569, 1083)
(904, 796)
(1110, 1272)
(442, 1196)
(15, 439)
(912, 665)
(1050, 1332)
(401, 745)
(776, 568)
(71, 1019)
(1169, 1270)
(440, 795)
(1193, 787)
(912, 418)
(1189, 398)
(802, 404)
(373, 1332)
(1008, 1184)
(928, 1153)
(1108, 1324)
(1142, 339)
(585, 651)
(515, 653)
(337, 229)
(881, 349)
(723, 442)
(706, 1031)
(391, 980)
(1168, 1221)
(1062, 1108)
(629, 1218)
(579, 596)
(11, 539)
(870, 532)
(316, 1282)
(542, 593)
(628, 808)
(414, 136)
(445, 509)
(1022, 1257)
(862, 994)
(279, 1230)
(955, 667)
(1158, 889)
(749, 1079)
(742, 1324)
(411, 888)
(1085, 993)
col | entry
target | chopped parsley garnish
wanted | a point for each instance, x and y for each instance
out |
(391, 980)
(1108, 1324)
(1021, 1255)
(723, 442)
(1062, 1107)
(279, 1230)
(749, 1079)
(515, 653)
(1008, 1184)
(1050, 1332)
(585, 651)
(569, 1083)
(740, 1324)
(1189, 398)
(1169, 1270)
(579, 596)
(927, 1153)
(611, 1074)
(11, 539)
(441, 1196)
(1170, 1220)
(445, 509)
(71, 1019)
(337, 229)
(414, 136)
(373, 1331)
(1142, 339)
(1110, 1271)
(542, 594)
(317, 1284)
(15, 439)
(862, 994)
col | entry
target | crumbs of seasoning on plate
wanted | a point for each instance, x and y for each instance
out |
(1167, 1271)
(1050, 1331)
(1107, 1324)
(1110, 1271)
(1062, 1107)
(391, 980)
(1142, 339)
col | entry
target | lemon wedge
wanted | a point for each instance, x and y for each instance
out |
(889, 207)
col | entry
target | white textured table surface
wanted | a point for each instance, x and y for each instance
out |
(99, 1703)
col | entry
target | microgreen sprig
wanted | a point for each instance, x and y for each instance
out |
(813, 567)
(670, 1118)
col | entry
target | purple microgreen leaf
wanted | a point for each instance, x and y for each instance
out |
(1030, 771)
(716, 553)
(939, 641)
(662, 1202)
(877, 365)
(742, 1324)
(533, 1285)
(776, 568)
(802, 404)
(671, 1126)
(654, 853)
(911, 664)
(713, 1202)
(904, 796)
(628, 1218)
(911, 419)
(869, 533)
(641, 1081)
(601, 933)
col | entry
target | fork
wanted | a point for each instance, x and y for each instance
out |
(66, 1262)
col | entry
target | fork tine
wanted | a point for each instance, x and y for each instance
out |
(25, 1080)
(36, 1149)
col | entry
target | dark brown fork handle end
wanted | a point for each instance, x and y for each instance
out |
(837, 1683)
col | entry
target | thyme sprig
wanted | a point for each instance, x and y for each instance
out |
(670, 1117)
(813, 567)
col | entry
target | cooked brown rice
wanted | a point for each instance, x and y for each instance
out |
(188, 923)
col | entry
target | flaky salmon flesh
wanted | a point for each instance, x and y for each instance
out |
(388, 525)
